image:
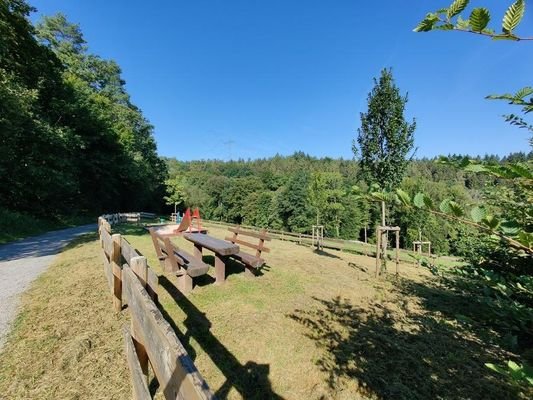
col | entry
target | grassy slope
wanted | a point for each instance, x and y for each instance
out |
(313, 326)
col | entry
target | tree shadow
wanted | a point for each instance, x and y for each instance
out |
(395, 350)
(326, 254)
(250, 380)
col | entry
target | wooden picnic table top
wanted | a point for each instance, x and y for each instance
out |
(218, 246)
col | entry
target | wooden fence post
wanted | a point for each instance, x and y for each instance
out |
(117, 273)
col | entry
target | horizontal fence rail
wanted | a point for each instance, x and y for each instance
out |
(150, 341)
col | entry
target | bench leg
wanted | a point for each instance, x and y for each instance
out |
(198, 251)
(185, 283)
(220, 269)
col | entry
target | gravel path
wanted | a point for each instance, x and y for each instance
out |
(23, 261)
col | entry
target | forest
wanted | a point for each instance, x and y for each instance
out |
(280, 192)
(72, 140)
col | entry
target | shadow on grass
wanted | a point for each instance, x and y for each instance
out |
(402, 354)
(130, 229)
(250, 380)
(326, 254)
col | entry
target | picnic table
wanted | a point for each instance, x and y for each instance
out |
(221, 248)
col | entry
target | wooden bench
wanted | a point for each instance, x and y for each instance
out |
(250, 261)
(174, 260)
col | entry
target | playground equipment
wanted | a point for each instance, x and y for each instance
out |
(418, 248)
(318, 237)
(186, 225)
(382, 234)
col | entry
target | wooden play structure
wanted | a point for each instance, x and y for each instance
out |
(382, 236)
(318, 237)
(190, 223)
(251, 261)
(418, 248)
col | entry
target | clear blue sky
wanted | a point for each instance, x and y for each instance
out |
(252, 78)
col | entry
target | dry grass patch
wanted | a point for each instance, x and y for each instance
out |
(67, 342)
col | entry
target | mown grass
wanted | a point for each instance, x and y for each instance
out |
(15, 225)
(313, 326)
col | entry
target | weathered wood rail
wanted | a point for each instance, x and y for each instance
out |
(150, 341)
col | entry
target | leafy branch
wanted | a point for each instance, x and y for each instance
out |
(477, 23)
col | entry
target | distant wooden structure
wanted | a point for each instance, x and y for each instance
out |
(418, 248)
(318, 237)
(381, 235)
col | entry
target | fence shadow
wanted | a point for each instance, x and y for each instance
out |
(401, 355)
(250, 379)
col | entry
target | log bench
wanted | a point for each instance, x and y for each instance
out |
(178, 261)
(252, 262)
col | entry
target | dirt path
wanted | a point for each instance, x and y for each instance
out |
(23, 261)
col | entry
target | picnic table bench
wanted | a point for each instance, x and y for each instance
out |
(250, 261)
(221, 248)
(178, 261)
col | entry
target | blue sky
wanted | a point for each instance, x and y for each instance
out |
(251, 78)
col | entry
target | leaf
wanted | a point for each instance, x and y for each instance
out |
(456, 209)
(510, 228)
(445, 206)
(479, 19)
(522, 170)
(496, 368)
(404, 197)
(428, 202)
(513, 16)
(526, 91)
(491, 222)
(513, 366)
(456, 7)
(478, 213)
(427, 23)
(418, 200)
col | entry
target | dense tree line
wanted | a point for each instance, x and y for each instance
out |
(290, 192)
(71, 140)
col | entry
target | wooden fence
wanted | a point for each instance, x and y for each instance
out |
(150, 340)
(118, 218)
(368, 249)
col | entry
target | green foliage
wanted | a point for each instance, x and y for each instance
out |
(479, 19)
(516, 372)
(385, 138)
(513, 16)
(450, 19)
(71, 140)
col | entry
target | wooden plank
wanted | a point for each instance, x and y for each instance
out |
(138, 379)
(107, 242)
(152, 285)
(127, 250)
(108, 270)
(216, 245)
(251, 245)
(173, 368)
(139, 265)
(263, 236)
(117, 273)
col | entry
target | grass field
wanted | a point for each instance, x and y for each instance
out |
(312, 326)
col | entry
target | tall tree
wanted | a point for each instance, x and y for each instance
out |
(385, 138)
